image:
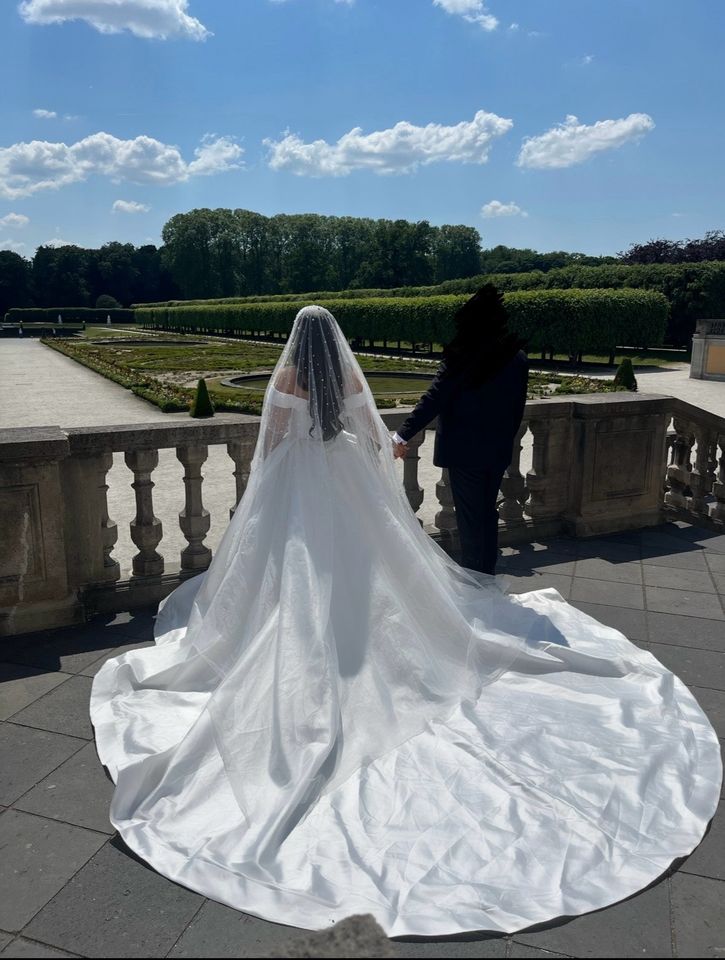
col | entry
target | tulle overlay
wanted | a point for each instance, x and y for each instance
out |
(336, 718)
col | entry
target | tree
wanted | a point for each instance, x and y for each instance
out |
(201, 405)
(624, 377)
(15, 281)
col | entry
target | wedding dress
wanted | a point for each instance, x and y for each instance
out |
(336, 718)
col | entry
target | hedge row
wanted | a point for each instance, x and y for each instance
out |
(69, 314)
(694, 290)
(562, 321)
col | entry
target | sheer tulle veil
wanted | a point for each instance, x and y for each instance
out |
(336, 627)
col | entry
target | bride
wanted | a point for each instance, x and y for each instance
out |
(336, 718)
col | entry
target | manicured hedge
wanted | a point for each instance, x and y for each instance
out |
(563, 321)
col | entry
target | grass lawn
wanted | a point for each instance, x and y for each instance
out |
(166, 374)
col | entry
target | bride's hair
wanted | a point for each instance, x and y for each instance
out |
(316, 357)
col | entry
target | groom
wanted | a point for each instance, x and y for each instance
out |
(478, 395)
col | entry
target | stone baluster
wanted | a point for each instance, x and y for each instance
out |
(678, 472)
(146, 529)
(547, 479)
(109, 530)
(513, 486)
(718, 487)
(701, 476)
(445, 519)
(194, 520)
(241, 452)
(413, 489)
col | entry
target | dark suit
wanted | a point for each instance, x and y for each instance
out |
(474, 440)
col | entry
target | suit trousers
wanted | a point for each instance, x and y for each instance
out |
(474, 494)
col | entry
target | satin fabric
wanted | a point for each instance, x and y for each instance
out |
(333, 721)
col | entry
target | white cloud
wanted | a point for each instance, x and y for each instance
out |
(572, 142)
(129, 206)
(160, 19)
(587, 59)
(497, 209)
(399, 149)
(474, 11)
(15, 245)
(57, 242)
(14, 220)
(45, 114)
(26, 168)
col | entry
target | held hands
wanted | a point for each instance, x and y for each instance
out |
(399, 449)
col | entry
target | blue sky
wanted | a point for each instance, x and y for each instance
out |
(555, 125)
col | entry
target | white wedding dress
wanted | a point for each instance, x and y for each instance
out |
(336, 718)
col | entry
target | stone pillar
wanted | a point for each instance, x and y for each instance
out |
(413, 489)
(718, 487)
(513, 487)
(678, 472)
(445, 519)
(90, 533)
(194, 520)
(146, 529)
(35, 589)
(547, 481)
(241, 452)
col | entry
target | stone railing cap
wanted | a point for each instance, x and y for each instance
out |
(33, 443)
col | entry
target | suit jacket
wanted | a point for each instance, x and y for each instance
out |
(476, 425)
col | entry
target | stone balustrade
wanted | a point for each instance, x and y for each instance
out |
(599, 464)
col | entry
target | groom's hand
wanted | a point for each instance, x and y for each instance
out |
(400, 450)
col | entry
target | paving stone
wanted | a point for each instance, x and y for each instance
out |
(5, 939)
(608, 592)
(68, 649)
(698, 915)
(685, 603)
(93, 668)
(664, 555)
(677, 578)
(539, 561)
(611, 549)
(715, 561)
(65, 709)
(596, 568)
(710, 540)
(686, 631)
(21, 685)
(491, 946)
(636, 927)
(27, 755)
(521, 951)
(22, 947)
(78, 791)
(719, 581)
(116, 906)
(220, 931)
(632, 623)
(39, 857)
(703, 668)
(708, 859)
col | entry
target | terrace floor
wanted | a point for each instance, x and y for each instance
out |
(72, 888)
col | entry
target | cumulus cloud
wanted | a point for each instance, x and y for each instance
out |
(14, 245)
(14, 220)
(57, 242)
(399, 149)
(497, 209)
(129, 206)
(45, 114)
(26, 168)
(160, 19)
(474, 11)
(572, 142)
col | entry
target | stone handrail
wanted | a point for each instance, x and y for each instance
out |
(599, 463)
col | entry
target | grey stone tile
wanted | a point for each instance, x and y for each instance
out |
(715, 561)
(664, 556)
(698, 915)
(708, 858)
(21, 685)
(5, 939)
(69, 649)
(608, 592)
(22, 947)
(220, 931)
(78, 791)
(614, 550)
(686, 631)
(638, 926)
(702, 668)
(677, 578)
(520, 951)
(719, 581)
(487, 946)
(538, 581)
(710, 540)
(685, 603)
(597, 568)
(538, 563)
(632, 623)
(116, 906)
(713, 703)
(39, 857)
(92, 669)
(27, 755)
(64, 709)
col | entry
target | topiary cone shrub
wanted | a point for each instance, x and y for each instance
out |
(201, 405)
(624, 377)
